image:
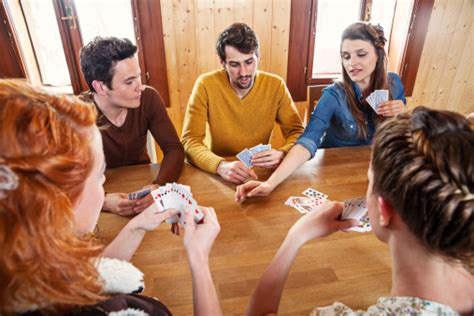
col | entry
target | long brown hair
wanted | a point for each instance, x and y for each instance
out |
(423, 164)
(45, 143)
(374, 35)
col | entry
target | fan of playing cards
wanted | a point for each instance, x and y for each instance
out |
(377, 97)
(176, 196)
(246, 155)
(353, 208)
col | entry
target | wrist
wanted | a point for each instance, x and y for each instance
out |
(106, 205)
(197, 261)
(134, 226)
(221, 166)
(294, 239)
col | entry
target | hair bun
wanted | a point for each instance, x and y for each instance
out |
(378, 35)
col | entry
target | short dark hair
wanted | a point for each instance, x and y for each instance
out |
(99, 56)
(240, 36)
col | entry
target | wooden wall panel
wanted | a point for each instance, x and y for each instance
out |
(445, 79)
(190, 31)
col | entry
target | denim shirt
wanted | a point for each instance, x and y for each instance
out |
(332, 124)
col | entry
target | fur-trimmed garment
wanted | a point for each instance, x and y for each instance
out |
(122, 281)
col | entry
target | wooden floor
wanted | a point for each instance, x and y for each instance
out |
(352, 268)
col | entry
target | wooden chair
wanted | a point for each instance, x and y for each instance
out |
(314, 93)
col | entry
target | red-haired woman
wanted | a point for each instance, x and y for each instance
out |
(51, 176)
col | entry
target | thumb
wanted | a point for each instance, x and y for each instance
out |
(188, 218)
(255, 191)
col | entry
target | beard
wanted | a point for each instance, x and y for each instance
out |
(246, 86)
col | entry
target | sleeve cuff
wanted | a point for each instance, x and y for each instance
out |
(308, 144)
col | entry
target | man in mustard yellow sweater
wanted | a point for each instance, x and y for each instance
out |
(235, 108)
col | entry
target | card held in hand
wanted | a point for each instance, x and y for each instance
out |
(178, 197)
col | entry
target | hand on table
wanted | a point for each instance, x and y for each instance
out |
(118, 203)
(199, 238)
(391, 108)
(146, 201)
(323, 221)
(269, 159)
(235, 171)
(252, 188)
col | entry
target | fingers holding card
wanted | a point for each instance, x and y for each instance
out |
(178, 197)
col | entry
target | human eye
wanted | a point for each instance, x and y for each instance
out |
(362, 54)
(249, 62)
(345, 56)
(234, 65)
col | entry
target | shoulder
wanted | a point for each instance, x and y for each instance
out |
(212, 77)
(335, 90)
(393, 78)
(151, 98)
(269, 78)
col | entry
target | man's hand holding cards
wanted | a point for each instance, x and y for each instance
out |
(177, 196)
(261, 155)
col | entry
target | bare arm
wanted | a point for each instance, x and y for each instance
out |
(297, 155)
(198, 240)
(127, 241)
(321, 222)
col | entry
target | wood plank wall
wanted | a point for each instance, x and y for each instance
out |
(445, 79)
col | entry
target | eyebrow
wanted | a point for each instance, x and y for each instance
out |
(237, 62)
(357, 50)
(132, 77)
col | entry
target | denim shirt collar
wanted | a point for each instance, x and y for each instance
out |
(357, 92)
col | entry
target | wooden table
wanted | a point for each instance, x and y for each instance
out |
(352, 268)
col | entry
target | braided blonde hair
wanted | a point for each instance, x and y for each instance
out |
(423, 164)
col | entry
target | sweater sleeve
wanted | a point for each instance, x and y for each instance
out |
(288, 118)
(194, 131)
(165, 135)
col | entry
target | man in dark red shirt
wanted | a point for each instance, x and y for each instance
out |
(127, 111)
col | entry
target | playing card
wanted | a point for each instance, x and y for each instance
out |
(177, 196)
(364, 226)
(312, 193)
(354, 208)
(138, 194)
(303, 204)
(246, 157)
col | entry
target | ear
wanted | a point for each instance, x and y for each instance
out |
(99, 87)
(223, 63)
(386, 212)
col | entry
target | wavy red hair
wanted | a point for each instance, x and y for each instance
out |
(45, 141)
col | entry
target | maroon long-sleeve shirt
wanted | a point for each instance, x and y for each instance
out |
(126, 145)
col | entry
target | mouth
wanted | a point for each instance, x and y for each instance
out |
(355, 72)
(244, 80)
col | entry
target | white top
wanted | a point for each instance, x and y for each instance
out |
(389, 306)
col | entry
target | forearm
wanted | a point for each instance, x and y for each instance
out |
(171, 166)
(202, 157)
(266, 297)
(125, 243)
(206, 301)
(295, 158)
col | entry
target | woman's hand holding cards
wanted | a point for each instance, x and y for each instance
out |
(151, 218)
(323, 221)
(390, 108)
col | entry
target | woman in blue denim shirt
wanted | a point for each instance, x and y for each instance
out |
(343, 117)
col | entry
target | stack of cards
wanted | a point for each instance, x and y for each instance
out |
(377, 97)
(176, 196)
(307, 203)
(246, 155)
(357, 209)
(138, 194)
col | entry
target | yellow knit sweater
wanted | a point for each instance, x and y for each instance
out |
(219, 124)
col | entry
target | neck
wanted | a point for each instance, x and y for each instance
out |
(114, 114)
(420, 274)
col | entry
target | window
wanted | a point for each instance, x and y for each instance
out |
(50, 33)
(316, 27)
